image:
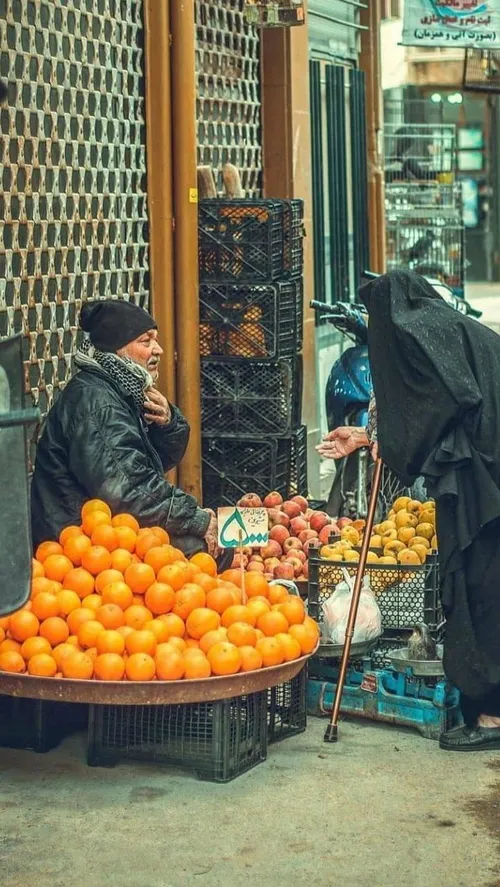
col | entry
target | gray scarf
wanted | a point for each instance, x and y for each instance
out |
(129, 375)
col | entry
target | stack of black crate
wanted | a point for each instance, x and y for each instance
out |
(251, 320)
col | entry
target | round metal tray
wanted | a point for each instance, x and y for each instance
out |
(150, 692)
(327, 650)
(419, 668)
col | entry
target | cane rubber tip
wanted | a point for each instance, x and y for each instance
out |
(331, 733)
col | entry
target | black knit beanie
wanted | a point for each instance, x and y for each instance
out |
(113, 323)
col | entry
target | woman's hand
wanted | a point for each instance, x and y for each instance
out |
(342, 442)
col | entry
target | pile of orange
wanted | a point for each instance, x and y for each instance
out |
(112, 601)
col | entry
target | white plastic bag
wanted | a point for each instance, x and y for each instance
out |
(368, 624)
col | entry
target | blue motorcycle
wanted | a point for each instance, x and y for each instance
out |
(348, 392)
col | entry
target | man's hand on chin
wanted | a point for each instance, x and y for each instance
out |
(157, 407)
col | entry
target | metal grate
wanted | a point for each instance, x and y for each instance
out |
(228, 103)
(73, 212)
(404, 198)
(420, 152)
(481, 71)
(431, 244)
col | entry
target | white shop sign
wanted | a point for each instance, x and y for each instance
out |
(452, 23)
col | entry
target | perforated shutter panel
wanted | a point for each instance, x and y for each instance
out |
(73, 212)
(229, 102)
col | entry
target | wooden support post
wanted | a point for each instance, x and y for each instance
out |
(183, 74)
(158, 136)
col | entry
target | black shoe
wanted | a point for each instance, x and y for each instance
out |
(470, 739)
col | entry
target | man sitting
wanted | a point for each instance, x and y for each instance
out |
(112, 435)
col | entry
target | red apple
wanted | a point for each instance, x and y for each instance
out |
(310, 544)
(297, 565)
(272, 549)
(305, 570)
(291, 509)
(273, 500)
(307, 534)
(291, 543)
(268, 576)
(325, 533)
(270, 563)
(297, 553)
(309, 512)
(237, 560)
(284, 571)
(257, 558)
(319, 520)
(301, 502)
(278, 533)
(255, 567)
(297, 525)
(344, 522)
(250, 500)
(277, 517)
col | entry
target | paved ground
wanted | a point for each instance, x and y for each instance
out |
(486, 297)
(382, 808)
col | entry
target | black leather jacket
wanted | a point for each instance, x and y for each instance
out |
(96, 445)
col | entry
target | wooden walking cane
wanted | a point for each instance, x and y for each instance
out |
(331, 734)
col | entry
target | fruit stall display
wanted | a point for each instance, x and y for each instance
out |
(408, 536)
(402, 568)
(293, 528)
(111, 601)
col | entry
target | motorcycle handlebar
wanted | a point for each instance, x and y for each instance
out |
(323, 307)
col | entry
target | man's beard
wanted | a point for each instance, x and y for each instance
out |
(153, 369)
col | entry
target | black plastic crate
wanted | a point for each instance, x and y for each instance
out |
(38, 725)
(286, 708)
(234, 466)
(241, 241)
(247, 321)
(297, 391)
(293, 225)
(297, 485)
(405, 594)
(249, 397)
(299, 318)
(218, 740)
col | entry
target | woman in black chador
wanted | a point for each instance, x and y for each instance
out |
(436, 378)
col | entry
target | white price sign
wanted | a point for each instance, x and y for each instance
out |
(243, 527)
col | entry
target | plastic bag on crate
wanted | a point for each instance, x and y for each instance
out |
(336, 608)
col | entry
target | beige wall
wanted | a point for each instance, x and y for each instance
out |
(287, 173)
